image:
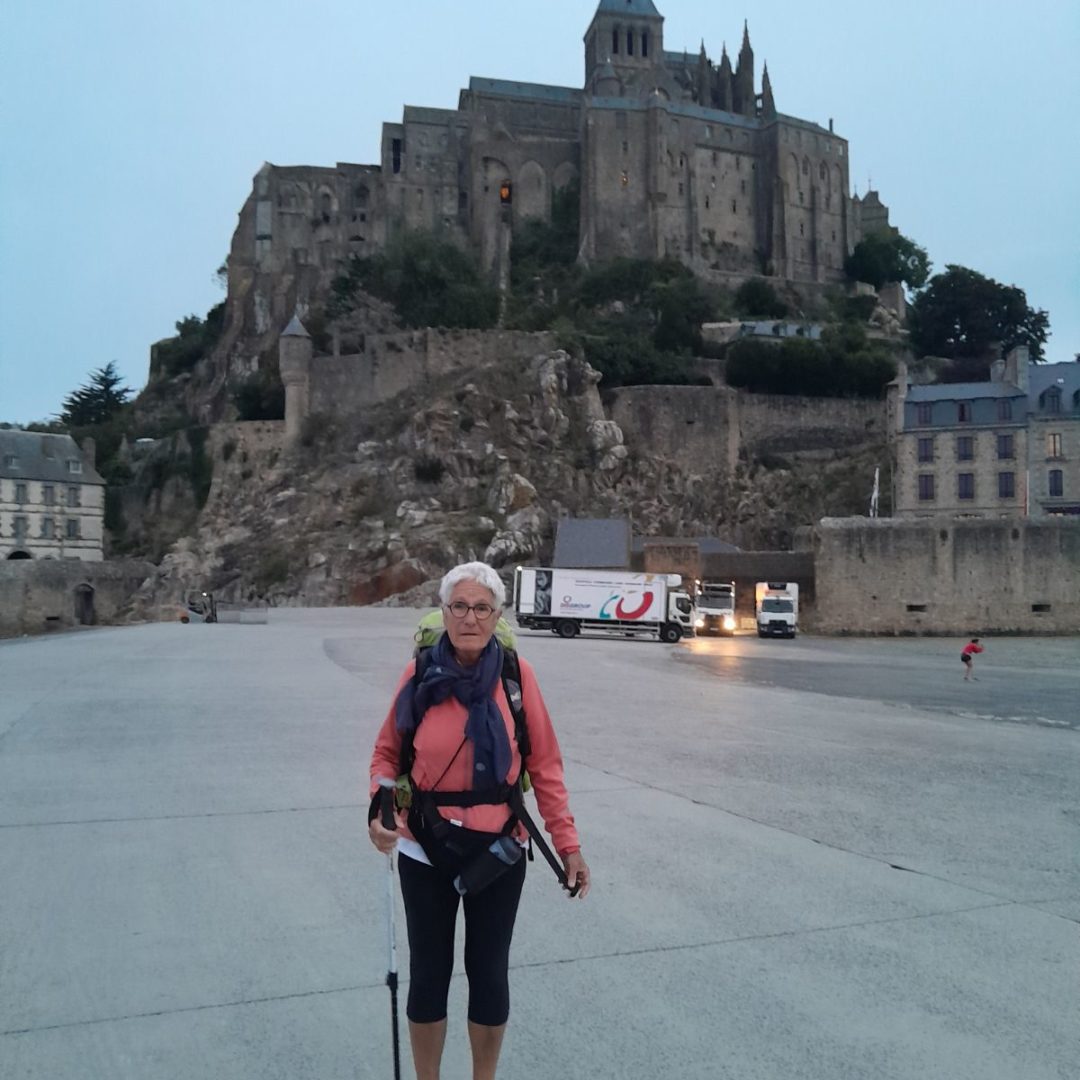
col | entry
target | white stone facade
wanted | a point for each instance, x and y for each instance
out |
(52, 500)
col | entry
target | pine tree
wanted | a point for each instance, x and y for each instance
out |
(98, 401)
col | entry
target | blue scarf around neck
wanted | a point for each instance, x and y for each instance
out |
(474, 687)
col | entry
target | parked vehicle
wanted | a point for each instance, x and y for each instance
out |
(568, 602)
(200, 608)
(715, 603)
(777, 607)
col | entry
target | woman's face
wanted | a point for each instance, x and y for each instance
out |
(470, 634)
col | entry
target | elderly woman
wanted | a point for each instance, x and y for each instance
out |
(454, 730)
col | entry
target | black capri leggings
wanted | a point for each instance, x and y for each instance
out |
(431, 904)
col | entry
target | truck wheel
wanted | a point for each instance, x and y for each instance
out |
(761, 633)
(670, 633)
(566, 628)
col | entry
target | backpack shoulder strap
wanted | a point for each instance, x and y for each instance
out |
(515, 695)
(407, 754)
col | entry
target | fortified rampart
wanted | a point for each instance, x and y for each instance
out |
(393, 363)
(951, 576)
(706, 426)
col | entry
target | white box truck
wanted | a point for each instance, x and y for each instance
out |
(568, 602)
(777, 607)
(715, 603)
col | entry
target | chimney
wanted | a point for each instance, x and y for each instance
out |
(1016, 367)
(89, 452)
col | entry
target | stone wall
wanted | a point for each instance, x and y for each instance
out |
(708, 426)
(37, 596)
(392, 363)
(952, 576)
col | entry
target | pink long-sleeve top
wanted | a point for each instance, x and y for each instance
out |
(439, 736)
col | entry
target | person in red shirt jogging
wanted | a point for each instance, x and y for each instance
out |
(967, 657)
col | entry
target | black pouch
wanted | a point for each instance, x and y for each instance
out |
(449, 847)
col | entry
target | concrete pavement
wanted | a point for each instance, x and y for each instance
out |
(788, 883)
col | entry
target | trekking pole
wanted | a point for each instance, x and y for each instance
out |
(386, 799)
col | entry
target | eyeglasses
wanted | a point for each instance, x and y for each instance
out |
(459, 609)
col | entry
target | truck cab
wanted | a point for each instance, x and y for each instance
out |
(777, 608)
(716, 607)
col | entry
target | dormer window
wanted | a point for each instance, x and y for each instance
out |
(11, 461)
(74, 465)
(1051, 400)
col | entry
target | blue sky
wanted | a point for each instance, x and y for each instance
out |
(131, 129)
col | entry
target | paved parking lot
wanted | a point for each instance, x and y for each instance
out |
(830, 865)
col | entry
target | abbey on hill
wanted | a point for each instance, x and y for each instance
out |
(675, 156)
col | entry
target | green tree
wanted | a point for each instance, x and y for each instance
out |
(883, 256)
(758, 297)
(430, 282)
(961, 314)
(98, 401)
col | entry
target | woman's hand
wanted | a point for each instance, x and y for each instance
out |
(383, 838)
(577, 873)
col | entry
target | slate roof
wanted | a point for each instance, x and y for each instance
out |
(593, 543)
(41, 456)
(564, 95)
(627, 7)
(1066, 377)
(962, 391)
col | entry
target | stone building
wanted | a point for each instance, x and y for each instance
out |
(674, 155)
(52, 499)
(1006, 447)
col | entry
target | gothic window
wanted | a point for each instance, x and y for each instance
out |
(629, 42)
(644, 42)
(821, 171)
(396, 155)
(361, 194)
(806, 166)
(615, 42)
(326, 204)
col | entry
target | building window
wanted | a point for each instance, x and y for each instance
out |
(963, 412)
(20, 527)
(48, 528)
(48, 494)
(395, 155)
(644, 42)
(926, 487)
(1005, 448)
(1004, 409)
(1057, 483)
(926, 450)
(629, 42)
(20, 493)
(1006, 485)
(625, 147)
(74, 496)
(706, 202)
(615, 42)
(11, 461)
(1052, 400)
(924, 412)
(965, 448)
(1053, 445)
(73, 528)
(734, 206)
(965, 485)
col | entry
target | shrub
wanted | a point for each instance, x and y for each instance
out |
(260, 397)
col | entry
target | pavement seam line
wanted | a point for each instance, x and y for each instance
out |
(513, 967)
(183, 817)
(798, 835)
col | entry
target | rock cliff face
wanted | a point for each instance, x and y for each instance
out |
(375, 507)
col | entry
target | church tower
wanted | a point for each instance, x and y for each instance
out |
(629, 33)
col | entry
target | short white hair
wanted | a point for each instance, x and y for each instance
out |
(479, 572)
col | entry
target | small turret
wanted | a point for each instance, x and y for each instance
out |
(606, 82)
(744, 77)
(768, 105)
(703, 88)
(724, 97)
(294, 363)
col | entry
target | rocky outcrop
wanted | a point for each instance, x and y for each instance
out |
(374, 508)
